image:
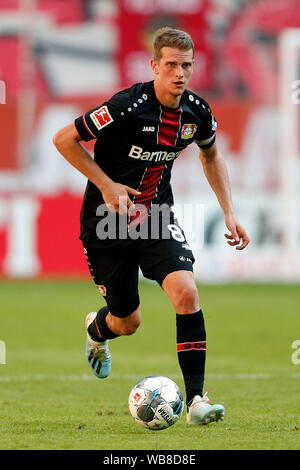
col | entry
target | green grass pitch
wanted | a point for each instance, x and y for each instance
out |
(49, 399)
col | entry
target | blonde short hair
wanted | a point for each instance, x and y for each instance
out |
(171, 37)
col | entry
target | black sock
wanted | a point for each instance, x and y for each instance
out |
(98, 329)
(191, 350)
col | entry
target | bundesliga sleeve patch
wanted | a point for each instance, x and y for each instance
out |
(101, 117)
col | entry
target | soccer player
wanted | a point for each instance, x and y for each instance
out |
(138, 133)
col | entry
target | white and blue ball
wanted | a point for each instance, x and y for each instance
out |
(156, 402)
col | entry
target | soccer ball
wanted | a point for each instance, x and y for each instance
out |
(156, 402)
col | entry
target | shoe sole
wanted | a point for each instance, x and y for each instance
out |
(210, 417)
(214, 417)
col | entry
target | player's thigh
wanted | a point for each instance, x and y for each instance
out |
(167, 254)
(114, 269)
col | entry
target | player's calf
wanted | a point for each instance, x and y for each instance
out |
(124, 326)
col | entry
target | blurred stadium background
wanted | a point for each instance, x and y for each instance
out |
(59, 58)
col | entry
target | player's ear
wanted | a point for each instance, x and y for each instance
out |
(154, 66)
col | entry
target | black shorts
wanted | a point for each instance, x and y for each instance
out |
(114, 266)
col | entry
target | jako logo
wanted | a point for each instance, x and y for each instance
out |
(137, 152)
(2, 353)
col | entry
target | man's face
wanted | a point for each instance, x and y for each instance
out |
(173, 70)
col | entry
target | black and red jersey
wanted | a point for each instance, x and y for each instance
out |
(137, 141)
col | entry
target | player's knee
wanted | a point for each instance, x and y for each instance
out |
(187, 299)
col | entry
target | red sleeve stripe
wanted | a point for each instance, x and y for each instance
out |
(87, 128)
(199, 345)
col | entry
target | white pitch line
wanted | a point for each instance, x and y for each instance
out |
(86, 377)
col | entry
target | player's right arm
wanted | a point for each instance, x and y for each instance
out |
(215, 170)
(115, 195)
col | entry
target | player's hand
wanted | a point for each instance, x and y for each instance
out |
(238, 236)
(116, 197)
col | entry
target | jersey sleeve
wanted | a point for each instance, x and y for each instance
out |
(103, 121)
(205, 135)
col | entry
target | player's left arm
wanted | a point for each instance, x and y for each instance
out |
(215, 170)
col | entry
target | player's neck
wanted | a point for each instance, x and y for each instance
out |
(165, 98)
